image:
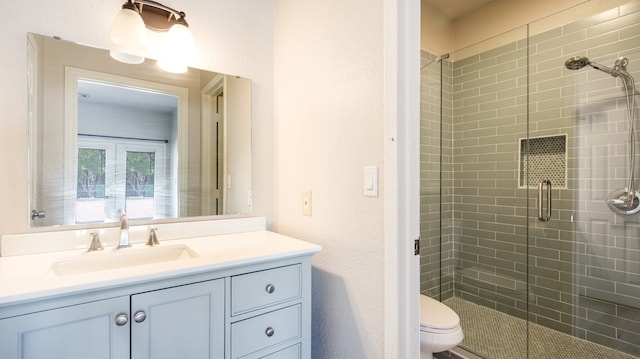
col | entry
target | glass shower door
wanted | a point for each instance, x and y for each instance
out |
(585, 261)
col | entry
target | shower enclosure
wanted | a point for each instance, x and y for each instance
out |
(530, 228)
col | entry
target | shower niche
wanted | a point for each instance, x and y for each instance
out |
(543, 158)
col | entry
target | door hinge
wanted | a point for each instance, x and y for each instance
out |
(416, 246)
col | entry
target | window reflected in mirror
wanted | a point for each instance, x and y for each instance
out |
(91, 186)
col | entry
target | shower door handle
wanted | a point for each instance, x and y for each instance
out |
(541, 215)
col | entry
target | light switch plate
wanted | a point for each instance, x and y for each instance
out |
(370, 185)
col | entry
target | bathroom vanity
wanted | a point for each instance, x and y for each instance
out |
(237, 295)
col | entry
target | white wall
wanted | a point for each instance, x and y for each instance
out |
(329, 124)
(234, 37)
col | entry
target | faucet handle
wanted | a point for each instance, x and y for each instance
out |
(153, 236)
(95, 245)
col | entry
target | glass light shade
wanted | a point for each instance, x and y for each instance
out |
(126, 58)
(128, 37)
(178, 49)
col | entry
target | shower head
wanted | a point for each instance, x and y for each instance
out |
(578, 62)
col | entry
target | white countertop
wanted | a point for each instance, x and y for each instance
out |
(28, 277)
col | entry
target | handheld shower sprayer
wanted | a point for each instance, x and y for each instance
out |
(623, 200)
(578, 62)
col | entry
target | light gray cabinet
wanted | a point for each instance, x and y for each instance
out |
(266, 311)
(185, 321)
(46, 334)
(180, 322)
(246, 312)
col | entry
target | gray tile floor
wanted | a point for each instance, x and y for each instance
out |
(495, 335)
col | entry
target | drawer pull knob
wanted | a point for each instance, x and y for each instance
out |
(270, 332)
(140, 316)
(270, 288)
(121, 319)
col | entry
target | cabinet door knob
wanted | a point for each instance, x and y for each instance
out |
(269, 332)
(121, 319)
(270, 288)
(140, 316)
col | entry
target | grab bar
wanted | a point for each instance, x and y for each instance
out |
(541, 217)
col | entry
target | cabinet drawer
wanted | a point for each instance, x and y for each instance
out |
(266, 330)
(289, 353)
(255, 290)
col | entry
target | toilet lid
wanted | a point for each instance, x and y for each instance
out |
(435, 315)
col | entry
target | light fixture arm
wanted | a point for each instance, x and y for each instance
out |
(131, 6)
(177, 15)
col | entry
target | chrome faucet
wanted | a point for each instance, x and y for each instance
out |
(153, 237)
(96, 245)
(124, 232)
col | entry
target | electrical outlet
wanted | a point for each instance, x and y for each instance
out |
(306, 203)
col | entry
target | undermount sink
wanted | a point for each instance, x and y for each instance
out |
(121, 258)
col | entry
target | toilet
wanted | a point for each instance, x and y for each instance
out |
(439, 327)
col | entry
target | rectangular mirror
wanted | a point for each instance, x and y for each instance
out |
(107, 137)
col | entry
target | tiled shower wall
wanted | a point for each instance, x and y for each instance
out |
(584, 264)
(489, 119)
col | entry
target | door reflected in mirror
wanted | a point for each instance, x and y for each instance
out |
(107, 137)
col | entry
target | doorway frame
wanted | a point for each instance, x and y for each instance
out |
(402, 177)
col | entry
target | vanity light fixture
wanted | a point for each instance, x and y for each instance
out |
(146, 27)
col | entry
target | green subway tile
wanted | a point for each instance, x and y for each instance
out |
(512, 47)
(497, 227)
(479, 65)
(509, 73)
(494, 105)
(467, 77)
(480, 100)
(552, 73)
(553, 54)
(580, 48)
(480, 83)
(613, 25)
(495, 86)
(626, 45)
(466, 61)
(511, 56)
(630, 31)
(545, 36)
(590, 21)
(557, 43)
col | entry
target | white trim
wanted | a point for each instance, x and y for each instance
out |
(401, 173)
(72, 74)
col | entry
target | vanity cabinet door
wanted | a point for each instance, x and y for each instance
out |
(76, 332)
(179, 322)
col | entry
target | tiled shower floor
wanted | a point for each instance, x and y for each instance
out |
(496, 335)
